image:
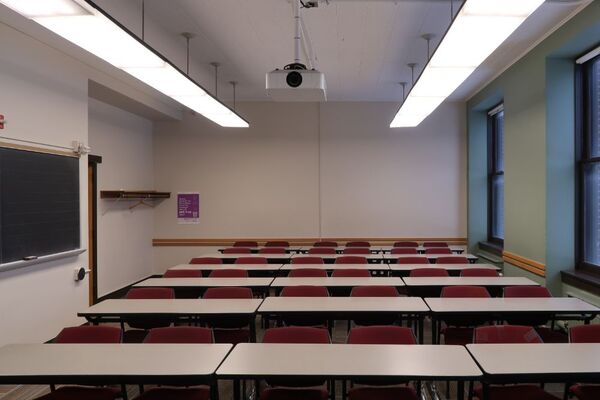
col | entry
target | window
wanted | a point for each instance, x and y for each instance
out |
(496, 175)
(588, 111)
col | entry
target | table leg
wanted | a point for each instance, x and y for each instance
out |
(236, 390)
(433, 330)
(214, 390)
(485, 391)
(253, 328)
(460, 390)
(420, 324)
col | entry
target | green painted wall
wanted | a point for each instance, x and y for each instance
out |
(539, 154)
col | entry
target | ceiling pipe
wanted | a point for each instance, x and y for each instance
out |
(298, 29)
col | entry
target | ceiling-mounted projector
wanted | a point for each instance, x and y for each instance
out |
(296, 83)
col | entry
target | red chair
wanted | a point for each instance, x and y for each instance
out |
(351, 273)
(406, 244)
(413, 260)
(479, 272)
(305, 291)
(245, 243)
(374, 291)
(272, 250)
(585, 334)
(307, 273)
(251, 260)
(438, 250)
(428, 272)
(206, 260)
(404, 250)
(459, 330)
(182, 273)
(452, 260)
(229, 329)
(351, 260)
(322, 250)
(277, 243)
(526, 291)
(85, 335)
(435, 244)
(228, 273)
(358, 244)
(237, 250)
(357, 250)
(178, 334)
(150, 293)
(307, 260)
(325, 244)
(141, 325)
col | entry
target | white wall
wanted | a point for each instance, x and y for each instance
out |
(124, 141)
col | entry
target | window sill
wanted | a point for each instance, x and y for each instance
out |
(492, 248)
(582, 280)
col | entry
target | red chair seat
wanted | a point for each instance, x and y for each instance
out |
(294, 394)
(175, 394)
(457, 336)
(82, 392)
(586, 392)
(387, 393)
(516, 392)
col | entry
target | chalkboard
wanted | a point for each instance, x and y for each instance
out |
(39, 204)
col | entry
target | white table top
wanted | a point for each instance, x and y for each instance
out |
(330, 267)
(454, 248)
(448, 267)
(334, 256)
(122, 307)
(469, 281)
(343, 304)
(429, 256)
(204, 282)
(537, 358)
(339, 282)
(344, 360)
(37, 361)
(212, 267)
(251, 255)
(288, 248)
(501, 304)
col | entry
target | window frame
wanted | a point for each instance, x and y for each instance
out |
(583, 137)
(492, 170)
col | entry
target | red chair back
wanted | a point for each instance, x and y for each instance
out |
(584, 334)
(526, 291)
(237, 250)
(245, 243)
(438, 250)
(304, 291)
(296, 334)
(277, 243)
(406, 244)
(228, 273)
(228, 293)
(479, 272)
(251, 260)
(506, 334)
(308, 273)
(413, 260)
(428, 272)
(351, 273)
(272, 250)
(435, 244)
(358, 244)
(325, 244)
(150, 293)
(321, 250)
(351, 260)
(182, 273)
(381, 335)
(374, 291)
(180, 334)
(452, 260)
(357, 250)
(307, 260)
(465, 291)
(206, 260)
(89, 334)
(404, 250)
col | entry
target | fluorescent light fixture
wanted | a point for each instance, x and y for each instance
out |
(83, 24)
(478, 29)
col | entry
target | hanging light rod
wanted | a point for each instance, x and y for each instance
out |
(85, 24)
(478, 29)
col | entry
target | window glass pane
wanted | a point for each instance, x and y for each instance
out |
(498, 206)
(594, 108)
(591, 218)
(499, 136)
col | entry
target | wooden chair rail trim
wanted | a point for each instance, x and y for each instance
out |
(161, 242)
(532, 266)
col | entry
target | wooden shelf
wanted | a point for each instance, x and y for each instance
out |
(133, 194)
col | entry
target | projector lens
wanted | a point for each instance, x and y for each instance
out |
(294, 79)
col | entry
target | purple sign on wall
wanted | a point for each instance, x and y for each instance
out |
(188, 208)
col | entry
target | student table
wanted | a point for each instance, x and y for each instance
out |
(258, 284)
(421, 249)
(535, 363)
(271, 258)
(393, 258)
(253, 250)
(330, 258)
(105, 364)
(498, 281)
(404, 269)
(346, 362)
(332, 267)
(338, 282)
(253, 269)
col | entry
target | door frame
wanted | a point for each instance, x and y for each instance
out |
(93, 162)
